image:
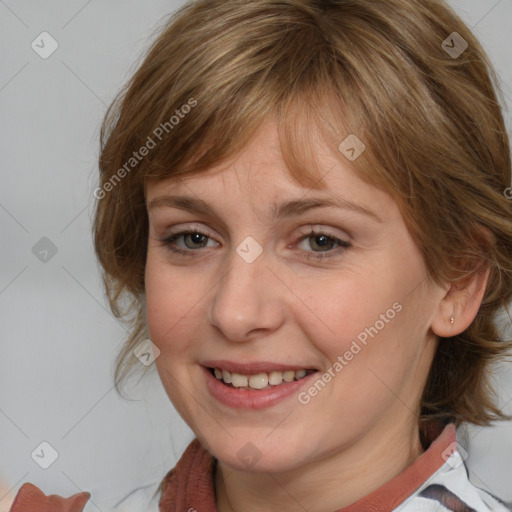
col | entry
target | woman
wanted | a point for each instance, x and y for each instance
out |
(306, 201)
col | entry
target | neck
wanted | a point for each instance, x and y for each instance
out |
(343, 477)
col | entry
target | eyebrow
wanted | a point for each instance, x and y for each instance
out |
(286, 209)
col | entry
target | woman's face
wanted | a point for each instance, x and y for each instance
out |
(333, 283)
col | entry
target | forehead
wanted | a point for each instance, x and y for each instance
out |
(260, 161)
(259, 176)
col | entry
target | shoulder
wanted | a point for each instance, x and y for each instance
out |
(451, 488)
(30, 498)
(143, 498)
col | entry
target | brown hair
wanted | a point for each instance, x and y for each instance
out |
(431, 123)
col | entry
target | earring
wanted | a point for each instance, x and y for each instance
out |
(452, 319)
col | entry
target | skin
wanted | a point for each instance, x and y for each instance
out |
(361, 430)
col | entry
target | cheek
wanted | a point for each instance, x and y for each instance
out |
(365, 317)
(341, 309)
(173, 303)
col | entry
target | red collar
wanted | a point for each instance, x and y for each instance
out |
(190, 484)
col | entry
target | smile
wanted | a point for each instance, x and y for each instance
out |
(260, 380)
(254, 385)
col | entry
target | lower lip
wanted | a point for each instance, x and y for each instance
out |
(252, 399)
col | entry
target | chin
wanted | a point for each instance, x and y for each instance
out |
(256, 454)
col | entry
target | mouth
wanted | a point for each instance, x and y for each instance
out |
(260, 380)
(254, 385)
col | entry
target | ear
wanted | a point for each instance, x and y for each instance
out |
(460, 303)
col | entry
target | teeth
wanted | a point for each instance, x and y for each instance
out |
(288, 375)
(258, 380)
(239, 381)
(275, 378)
(299, 374)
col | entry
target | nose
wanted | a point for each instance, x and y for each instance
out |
(247, 301)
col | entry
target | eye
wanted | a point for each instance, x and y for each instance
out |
(192, 241)
(323, 244)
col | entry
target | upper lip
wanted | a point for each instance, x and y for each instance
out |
(254, 367)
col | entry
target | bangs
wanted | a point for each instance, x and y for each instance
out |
(248, 65)
(279, 67)
(301, 122)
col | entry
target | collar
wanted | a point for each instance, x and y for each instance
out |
(191, 485)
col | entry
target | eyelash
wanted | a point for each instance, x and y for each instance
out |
(170, 241)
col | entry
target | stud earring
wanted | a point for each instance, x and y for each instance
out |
(452, 319)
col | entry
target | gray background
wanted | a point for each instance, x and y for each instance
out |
(58, 338)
